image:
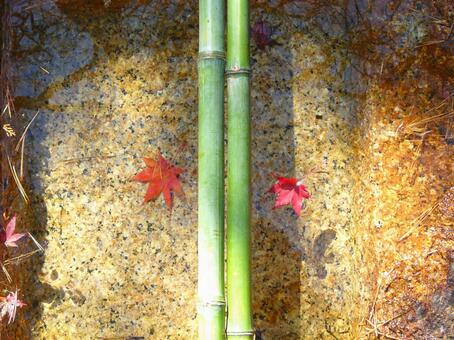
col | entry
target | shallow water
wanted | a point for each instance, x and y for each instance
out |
(116, 83)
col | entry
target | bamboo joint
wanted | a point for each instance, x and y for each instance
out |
(243, 333)
(237, 71)
(211, 55)
(212, 303)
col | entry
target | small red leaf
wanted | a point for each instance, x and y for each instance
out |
(162, 177)
(8, 235)
(289, 191)
(261, 34)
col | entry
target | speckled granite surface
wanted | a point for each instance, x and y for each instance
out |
(121, 86)
(116, 91)
(119, 82)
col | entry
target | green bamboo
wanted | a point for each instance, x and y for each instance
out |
(211, 304)
(239, 323)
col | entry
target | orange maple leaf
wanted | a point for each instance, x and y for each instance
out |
(161, 176)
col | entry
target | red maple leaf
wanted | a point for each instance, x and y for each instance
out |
(289, 191)
(161, 176)
(8, 235)
(261, 34)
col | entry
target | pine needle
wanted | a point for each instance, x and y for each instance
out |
(22, 143)
(16, 179)
(88, 158)
(431, 119)
(6, 108)
(36, 242)
(21, 257)
(46, 71)
(22, 159)
(6, 273)
(418, 126)
(21, 139)
(417, 221)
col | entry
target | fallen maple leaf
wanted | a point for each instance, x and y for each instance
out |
(161, 176)
(8, 306)
(261, 34)
(289, 191)
(8, 235)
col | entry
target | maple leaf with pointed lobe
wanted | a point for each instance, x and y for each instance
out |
(162, 177)
(289, 191)
(8, 235)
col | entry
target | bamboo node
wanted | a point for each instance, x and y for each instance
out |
(235, 70)
(212, 303)
(241, 333)
(212, 55)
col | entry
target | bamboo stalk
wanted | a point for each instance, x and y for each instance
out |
(239, 323)
(211, 308)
